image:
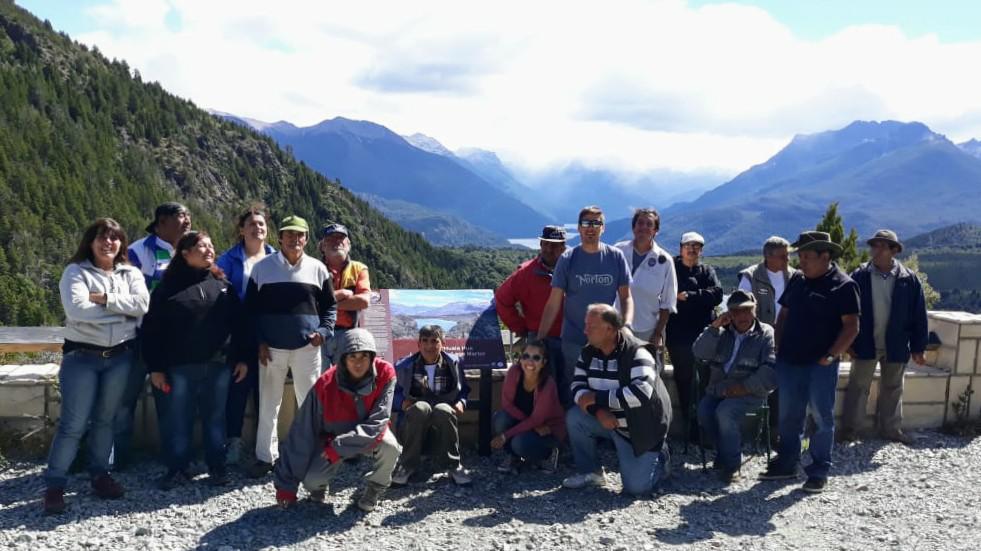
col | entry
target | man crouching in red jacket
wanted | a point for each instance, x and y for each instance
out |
(348, 417)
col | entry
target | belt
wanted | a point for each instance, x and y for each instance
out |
(105, 352)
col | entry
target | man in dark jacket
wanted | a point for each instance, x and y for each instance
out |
(699, 292)
(893, 328)
(346, 415)
(619, 396)
(738, 349)
(431, 393)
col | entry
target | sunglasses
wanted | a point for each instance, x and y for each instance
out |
(591, 223)
(532, 357)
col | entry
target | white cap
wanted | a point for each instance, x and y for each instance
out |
(692, 237)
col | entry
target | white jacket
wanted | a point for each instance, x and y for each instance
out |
(127, 300)
(654, 286)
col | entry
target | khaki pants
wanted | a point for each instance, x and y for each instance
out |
(304, 363)
(432, 429)
(384, 458)
(889, 409)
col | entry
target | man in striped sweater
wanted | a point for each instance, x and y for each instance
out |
(619, 396)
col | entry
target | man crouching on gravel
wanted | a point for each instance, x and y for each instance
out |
(349, 416)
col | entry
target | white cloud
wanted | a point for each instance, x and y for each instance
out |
(638, 84)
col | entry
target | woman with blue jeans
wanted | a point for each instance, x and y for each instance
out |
(193, 312)
(103, 298)
(531, 423)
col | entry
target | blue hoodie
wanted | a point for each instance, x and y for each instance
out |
(232, 262)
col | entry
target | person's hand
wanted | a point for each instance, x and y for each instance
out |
(240, 371)
(658, 339)
(407, 403)
(316, 339)
(498, 442)
(735, 391)
(343, 294)
(587, 399)
(459, 408)
(159, 382)
(606, 419)
(543, 430)
(824, 361)
(722, 321)
(919, 358)
(683, 296)
(98, 298)
(264, 354)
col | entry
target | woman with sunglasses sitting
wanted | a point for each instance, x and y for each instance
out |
(531, 424)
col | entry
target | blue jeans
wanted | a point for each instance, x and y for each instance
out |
(91, 390)
(133, 388)
(639, 473)
(721, 421)
(801, 386)
(528, 445)
(238, 399)
(563, 378)
(203, 389)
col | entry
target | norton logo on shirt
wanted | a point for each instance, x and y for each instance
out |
(595, 279)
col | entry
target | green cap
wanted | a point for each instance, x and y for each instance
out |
(294, 223)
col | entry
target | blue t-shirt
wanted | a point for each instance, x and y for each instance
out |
(588, 278)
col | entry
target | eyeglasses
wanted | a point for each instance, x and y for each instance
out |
(532, 357)
(591, 223)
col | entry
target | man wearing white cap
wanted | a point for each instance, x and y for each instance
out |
(699, 292)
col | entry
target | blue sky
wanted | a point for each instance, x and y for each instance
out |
(637, 86)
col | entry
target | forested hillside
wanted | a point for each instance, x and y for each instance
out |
(82, 136)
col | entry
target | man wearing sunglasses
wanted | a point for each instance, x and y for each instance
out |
(590, 273)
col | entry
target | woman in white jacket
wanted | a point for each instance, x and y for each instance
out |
(104, 298)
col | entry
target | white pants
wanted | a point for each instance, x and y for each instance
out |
(305, 365)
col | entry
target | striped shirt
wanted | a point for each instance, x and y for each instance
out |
(601, 376)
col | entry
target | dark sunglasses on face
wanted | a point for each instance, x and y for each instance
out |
(532, 357)
(591, 223)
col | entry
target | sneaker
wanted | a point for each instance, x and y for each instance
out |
(217, 478)
(582, 480)
(776, 472)
(900, 437)
(460, 476)
(401, 476)
(171, 480)
(369, 497)
(54, 501)
(509, 465)
(233, 451)
(318, 496)
(551, 464)
(814, 485)
(258, 469)
(107, 488)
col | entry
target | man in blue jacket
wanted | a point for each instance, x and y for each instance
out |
(893, 328)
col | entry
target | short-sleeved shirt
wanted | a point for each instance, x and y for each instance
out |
(816, 307)
(588, 278)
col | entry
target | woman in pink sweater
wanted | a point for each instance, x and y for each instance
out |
(531, 423)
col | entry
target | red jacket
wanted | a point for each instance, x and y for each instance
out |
(546, 410)
(529, 285)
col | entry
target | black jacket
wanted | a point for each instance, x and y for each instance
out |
(190, 321)
(698, 310)
(907, 329)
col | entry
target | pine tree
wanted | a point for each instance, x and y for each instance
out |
(833, 224)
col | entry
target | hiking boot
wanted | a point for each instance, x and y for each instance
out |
(728, 476)
(900, 437)
(107, 488)
(814, 485)
(369, 498)
(509, 465)
(233, 451)
(774, 471)
(401, 476)
(171, 480)
(460, 476)
(582, 480)
(217, 478)
(258, 469)
(846, 436)
(318, 496)
(54, 501)
(551, 464)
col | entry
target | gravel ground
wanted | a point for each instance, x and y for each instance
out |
(882, 496)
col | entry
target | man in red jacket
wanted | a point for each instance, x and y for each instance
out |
(348, 416)
(521, 299)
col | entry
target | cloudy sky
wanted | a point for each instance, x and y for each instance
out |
(688, 86)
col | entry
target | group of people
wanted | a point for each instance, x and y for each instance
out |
(594, 320)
